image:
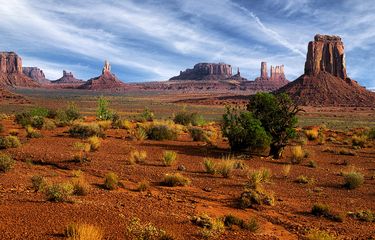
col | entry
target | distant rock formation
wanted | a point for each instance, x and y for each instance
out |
(325, 82)
(237, 76)
(67, 78)
(206, 71)
(35, 74)
(106, 81)
(276, 73)
(11, 71)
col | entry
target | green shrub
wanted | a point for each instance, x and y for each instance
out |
(49, 124)
(323, 210)
(138, 231)
(371, 134)
(39, 112)
(176, 179)
(37, 122)
(169, 158)
(359, 141)
(23, 118)
(244, 131)
(32, 133)
(209, 166)
(39, 183)
(252, 197)
(353, 180)
(186, 118)
(252, 224)
(198, 134)
(6, 162)
(161, 132)
(320, 235)
(9, 142)
(111, 181)
(103, 112)
(66, 116)
(60, 192)
(85, 130)
(146, 115)
(257, 177)
(140, 134)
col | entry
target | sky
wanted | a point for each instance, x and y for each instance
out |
(152, 40)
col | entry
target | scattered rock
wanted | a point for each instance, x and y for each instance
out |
(181, 168)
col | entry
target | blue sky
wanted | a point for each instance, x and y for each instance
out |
(154, 39)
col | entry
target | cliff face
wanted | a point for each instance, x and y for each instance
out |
(325, 82)
(326, 54)
(206, 71)
(35, 74)
(276, 74)
(67, 78)
(11, 71)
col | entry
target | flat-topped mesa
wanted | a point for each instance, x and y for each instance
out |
(206, 71)
(67, 78)
(10, 62)
(326, 54)
(35, 74)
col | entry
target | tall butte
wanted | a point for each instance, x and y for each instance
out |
(11, 74)
(325, 81)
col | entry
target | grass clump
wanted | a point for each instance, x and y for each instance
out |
(319, 235)
(111, 181)
(140, 134)
(305, 180)
(175, 179)
(59, 192)
(212, 228)
(32, 133)
(146, 116)
(143, 185)
(252, 224)
(94, 143)
(198, 134)
(297, 155)
(185, 118)
(353, 180)
(137, 157)
(85, 130)
(82, 149)
(80, 186)
(169, 158)
(364, 215)
(323, 210)
(359, 140)
(83, 231)
(6, 162)
(161, 132)
(312, 134)
(257, 177)
(49, 124)
(312, 164)
(9, 142)
(286, 170)
(138, 231)
(39, 183)
(209, 166)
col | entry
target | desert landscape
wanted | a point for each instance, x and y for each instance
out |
(207, 154)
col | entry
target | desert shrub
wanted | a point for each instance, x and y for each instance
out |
(359, 140)
(83, 231)
(225, 167)
(9, 142)
(252, 224)
(169, 158)
(143, 185)
(209, 166)
(346, 152)
(286, 170)
(257, 177)
(37, 122)
(321, 136)
(161, 132)
(312, 134)
(216, 230)
(243, 130)
(105, 124)
(277, 114)
(111, 181)
(85, 130)
(320, 235)
(59, 192)
(138, 231)
(49, 124)
(323, 210)
(185, 118)
(66, 116)
(140, 134)
(146, 115)
(32, 133)
(137, 157)
(6, 162)
(364, 215)
(83, 149)
(80, 186)
(198, 134)
(202, 220)
(94, 143)
(312, 164)
(371, 133)
(39, 111)
(297, 155)
(304, 180)
(175, 179)
(103, 112)
(39, 183)
(353, 180)
(23, 118)
(121, 124)
(252, 197)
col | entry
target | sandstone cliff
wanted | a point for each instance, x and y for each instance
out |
(206, 71)
(35, 74)
(67, 78)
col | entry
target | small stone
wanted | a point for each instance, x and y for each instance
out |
(181, 168)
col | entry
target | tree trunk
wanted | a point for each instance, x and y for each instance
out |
(276, 151)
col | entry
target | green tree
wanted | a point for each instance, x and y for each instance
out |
(103, 112)
(277, 114)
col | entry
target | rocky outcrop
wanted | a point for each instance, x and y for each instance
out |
(263, 71)
(326, 54)
(67, 78)
(325, 82)
(106, 81)
(275, 80)
(206, 71)
(35, 74)
(11, 71)
(277, 73)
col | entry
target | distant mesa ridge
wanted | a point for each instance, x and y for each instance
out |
(325, 81)
(35, 74)
(67, 78)
(206, 71)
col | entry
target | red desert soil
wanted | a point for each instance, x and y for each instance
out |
(25, 214)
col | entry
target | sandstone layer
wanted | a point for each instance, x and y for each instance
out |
(35, 74)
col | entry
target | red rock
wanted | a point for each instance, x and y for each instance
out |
(206, 71)
(67, 78)
(35, 74)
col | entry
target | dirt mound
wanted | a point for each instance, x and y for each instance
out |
(325, 89)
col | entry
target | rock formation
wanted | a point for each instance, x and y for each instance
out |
(11, 71)
(35, 74)
(106, 81)
(67, 78)
(206, 71)
(263, 71)
(325, 82)
(276, 74)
